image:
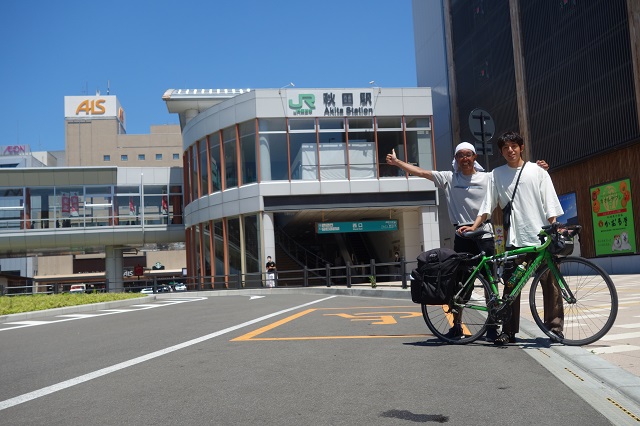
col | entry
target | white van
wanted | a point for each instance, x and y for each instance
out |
(78, 288)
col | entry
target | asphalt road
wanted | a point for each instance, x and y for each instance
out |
(281, 359)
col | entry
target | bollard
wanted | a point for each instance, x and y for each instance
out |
(349, 275)
(403, 264)
(328, 274)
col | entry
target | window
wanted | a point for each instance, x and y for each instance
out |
(176, 156)
(141, 157)
(333, 149)
(274, 162)
(248, 165)
(158, 156)
(390, 137)
(230, 156)
(124, 157)
(106, 158)
(362, 159)
(418, 139)
(303, 149)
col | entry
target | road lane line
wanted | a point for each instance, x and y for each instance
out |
(11, 402)
(614, 349)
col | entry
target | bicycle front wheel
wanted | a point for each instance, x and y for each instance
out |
(466, 324)
(592, 312)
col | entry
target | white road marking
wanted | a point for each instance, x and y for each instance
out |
(27, 322)
(636, 325)
(102, 312)
(621, 336)
(255, 297)
(614, 349)
(79, 315)
(11, 402)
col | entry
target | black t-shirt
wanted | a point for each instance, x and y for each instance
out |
(271, 266)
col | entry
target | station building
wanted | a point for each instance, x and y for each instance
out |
(300, 175)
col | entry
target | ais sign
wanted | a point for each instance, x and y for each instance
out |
(93, 107)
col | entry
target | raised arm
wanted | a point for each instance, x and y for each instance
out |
(409, 168)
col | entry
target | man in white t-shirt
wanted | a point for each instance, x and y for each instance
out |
(534, 205)
(464, 189)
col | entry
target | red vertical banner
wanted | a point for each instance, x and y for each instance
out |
(132, 209)
(165, 204)
(65, 202)
(74, 204)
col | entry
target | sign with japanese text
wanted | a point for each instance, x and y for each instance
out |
(612, 214)
(318, 103)
(365, 226)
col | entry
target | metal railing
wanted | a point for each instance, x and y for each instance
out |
(366, 274)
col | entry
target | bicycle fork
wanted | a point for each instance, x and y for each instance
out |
(566, 292)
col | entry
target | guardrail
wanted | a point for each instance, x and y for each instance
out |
(371, 273)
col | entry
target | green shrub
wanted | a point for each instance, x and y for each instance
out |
(39, 302)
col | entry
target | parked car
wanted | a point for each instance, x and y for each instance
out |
(164, 289)
(147, 290)
(78, 288)
(180, 287)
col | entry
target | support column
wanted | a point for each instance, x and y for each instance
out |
(113, 269)
(429, 229)
(268, 238)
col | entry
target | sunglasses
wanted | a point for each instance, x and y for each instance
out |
(462, 155)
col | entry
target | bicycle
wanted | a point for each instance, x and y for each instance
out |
(590, 298)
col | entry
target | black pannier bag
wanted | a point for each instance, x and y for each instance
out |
(436, 277)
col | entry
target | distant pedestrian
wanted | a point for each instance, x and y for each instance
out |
(271, 272)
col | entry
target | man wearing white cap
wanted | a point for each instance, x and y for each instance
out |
(464, 188)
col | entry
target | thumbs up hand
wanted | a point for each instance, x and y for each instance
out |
(391, 158)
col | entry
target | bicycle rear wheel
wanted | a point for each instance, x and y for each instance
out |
(594, 310)
(472, 319)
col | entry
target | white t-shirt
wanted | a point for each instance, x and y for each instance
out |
(464, 195)
(535, 201)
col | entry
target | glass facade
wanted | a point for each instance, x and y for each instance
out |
(306, 149)
(286, 149)
(88, 205)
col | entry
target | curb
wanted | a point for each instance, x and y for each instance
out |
(615, 377)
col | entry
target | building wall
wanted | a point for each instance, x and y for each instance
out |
(575, 100)
(594, 171)
(88, 141)
(55, 265)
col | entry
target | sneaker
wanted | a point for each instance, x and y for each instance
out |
(557, 337)
(505, 338)
(455, 331)
(492, 334)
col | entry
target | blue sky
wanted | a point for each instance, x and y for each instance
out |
(52, 49)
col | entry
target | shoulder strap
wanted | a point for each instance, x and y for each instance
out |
(518, 181)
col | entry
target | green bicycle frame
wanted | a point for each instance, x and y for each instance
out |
(484, 267)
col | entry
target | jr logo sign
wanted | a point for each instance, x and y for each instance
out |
(305, 106)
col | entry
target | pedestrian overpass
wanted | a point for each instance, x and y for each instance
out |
(92, 210)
